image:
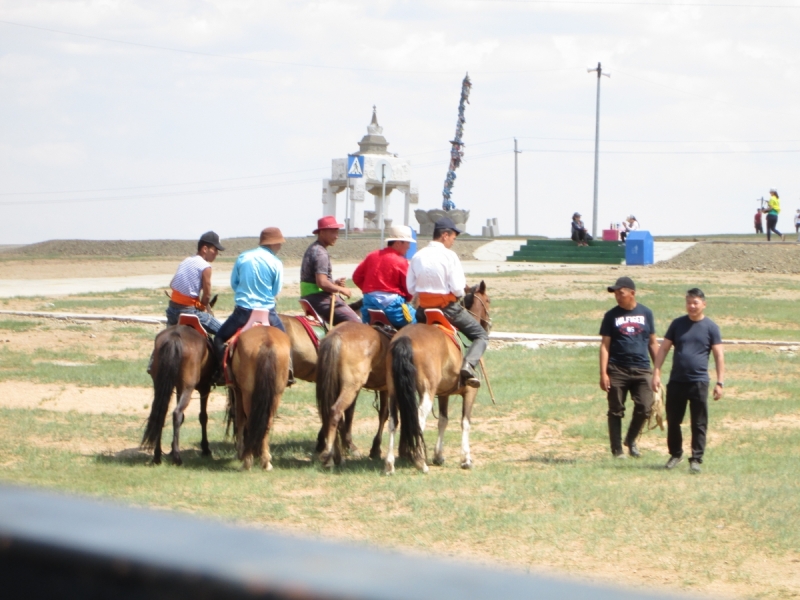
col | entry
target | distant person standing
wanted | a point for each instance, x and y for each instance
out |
(773, 210)
(758, 221)
(628, 343)
(694, 336)
(797, 224)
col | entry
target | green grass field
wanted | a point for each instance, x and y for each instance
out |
(545, 493)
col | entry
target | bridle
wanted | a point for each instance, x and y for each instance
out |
(487, 319)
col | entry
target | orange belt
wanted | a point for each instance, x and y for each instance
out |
(428, 300)
(184, 300)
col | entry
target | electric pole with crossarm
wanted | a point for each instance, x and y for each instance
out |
(599, 70)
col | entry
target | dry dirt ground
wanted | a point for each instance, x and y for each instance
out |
(757, 257)
(102, 340)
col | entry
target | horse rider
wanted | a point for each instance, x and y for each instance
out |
(381, 276)
(191, 285)
(316, 275)
(256, 279)
(436, 275)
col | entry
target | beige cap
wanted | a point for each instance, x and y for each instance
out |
(400, 233)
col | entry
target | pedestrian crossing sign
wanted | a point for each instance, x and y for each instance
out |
(355, 166)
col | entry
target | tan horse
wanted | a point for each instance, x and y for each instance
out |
(423, 362)
(181, 362)
(351, 357)
(304, 353)
(259, 369)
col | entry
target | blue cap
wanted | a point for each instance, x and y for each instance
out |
(446, 223)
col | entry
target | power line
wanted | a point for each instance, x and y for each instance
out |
(621, 3)
(666, 152)
(663, 141)
(273, 62)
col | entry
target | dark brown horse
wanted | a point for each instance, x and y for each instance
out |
(351, 357)
(182, 362)
(259, 368)
(423, 362)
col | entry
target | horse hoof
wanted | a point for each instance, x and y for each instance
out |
(388, 470)
(355, 453)
(438, 460)
(206, 452)
(467, 464)
(267, 467)
(424, 468)
(176, 460)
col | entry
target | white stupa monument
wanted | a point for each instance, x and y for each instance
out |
(373, 147)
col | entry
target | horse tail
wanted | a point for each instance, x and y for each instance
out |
(328, 377)
(261, 401)
(169, 357)
(404, 375)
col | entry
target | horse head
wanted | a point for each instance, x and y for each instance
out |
(477, 302)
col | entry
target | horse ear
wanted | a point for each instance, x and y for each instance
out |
(482, 287)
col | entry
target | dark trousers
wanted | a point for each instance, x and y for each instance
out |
(678, 394)
(629, 379)
(236, 321)
(772, 223)
(466, 324)
(321, 301)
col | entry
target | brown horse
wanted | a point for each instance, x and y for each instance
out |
(259, 370)
(424, 362)
(351, 357)
(182, 362)
(304, 353)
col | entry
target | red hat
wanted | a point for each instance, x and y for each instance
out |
(328, 222)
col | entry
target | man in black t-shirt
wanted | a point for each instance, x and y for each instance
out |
(628, 343)
(694, 336)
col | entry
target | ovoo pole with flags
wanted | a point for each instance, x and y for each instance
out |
(456, 150)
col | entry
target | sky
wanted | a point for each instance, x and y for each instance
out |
(153, 120)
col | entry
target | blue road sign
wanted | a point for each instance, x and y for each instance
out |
(355, 166)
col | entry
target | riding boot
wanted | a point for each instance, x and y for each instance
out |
(635, 427)
(615, 435)
(468, 375)
(217, 356)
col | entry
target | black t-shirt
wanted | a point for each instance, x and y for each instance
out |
(692, 341)
(630, 332)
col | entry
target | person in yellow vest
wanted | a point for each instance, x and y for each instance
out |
(773, 210)
(191, 285)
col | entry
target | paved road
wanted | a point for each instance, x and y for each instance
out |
(492, 257)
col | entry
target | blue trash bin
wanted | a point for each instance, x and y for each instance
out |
(639, 248)
(412, 249)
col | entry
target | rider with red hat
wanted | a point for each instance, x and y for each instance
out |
(316, 275)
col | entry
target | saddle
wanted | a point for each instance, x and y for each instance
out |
(380, 322)
(315, 327)
(192, 321)
(435, 317)
(258, 318)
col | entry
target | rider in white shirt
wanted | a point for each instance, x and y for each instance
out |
(436, 276)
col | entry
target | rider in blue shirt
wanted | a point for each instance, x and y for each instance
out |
(256, 279)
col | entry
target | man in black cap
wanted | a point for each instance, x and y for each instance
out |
(436, 276)
(628, 343)
(191, 285)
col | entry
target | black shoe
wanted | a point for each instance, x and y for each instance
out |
(633, 449)
(694, 467)
(468, 376)
(673, 462)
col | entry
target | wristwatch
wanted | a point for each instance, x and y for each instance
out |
(720, 384)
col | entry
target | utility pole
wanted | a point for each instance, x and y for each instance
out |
(599, 70)
(516, 189)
